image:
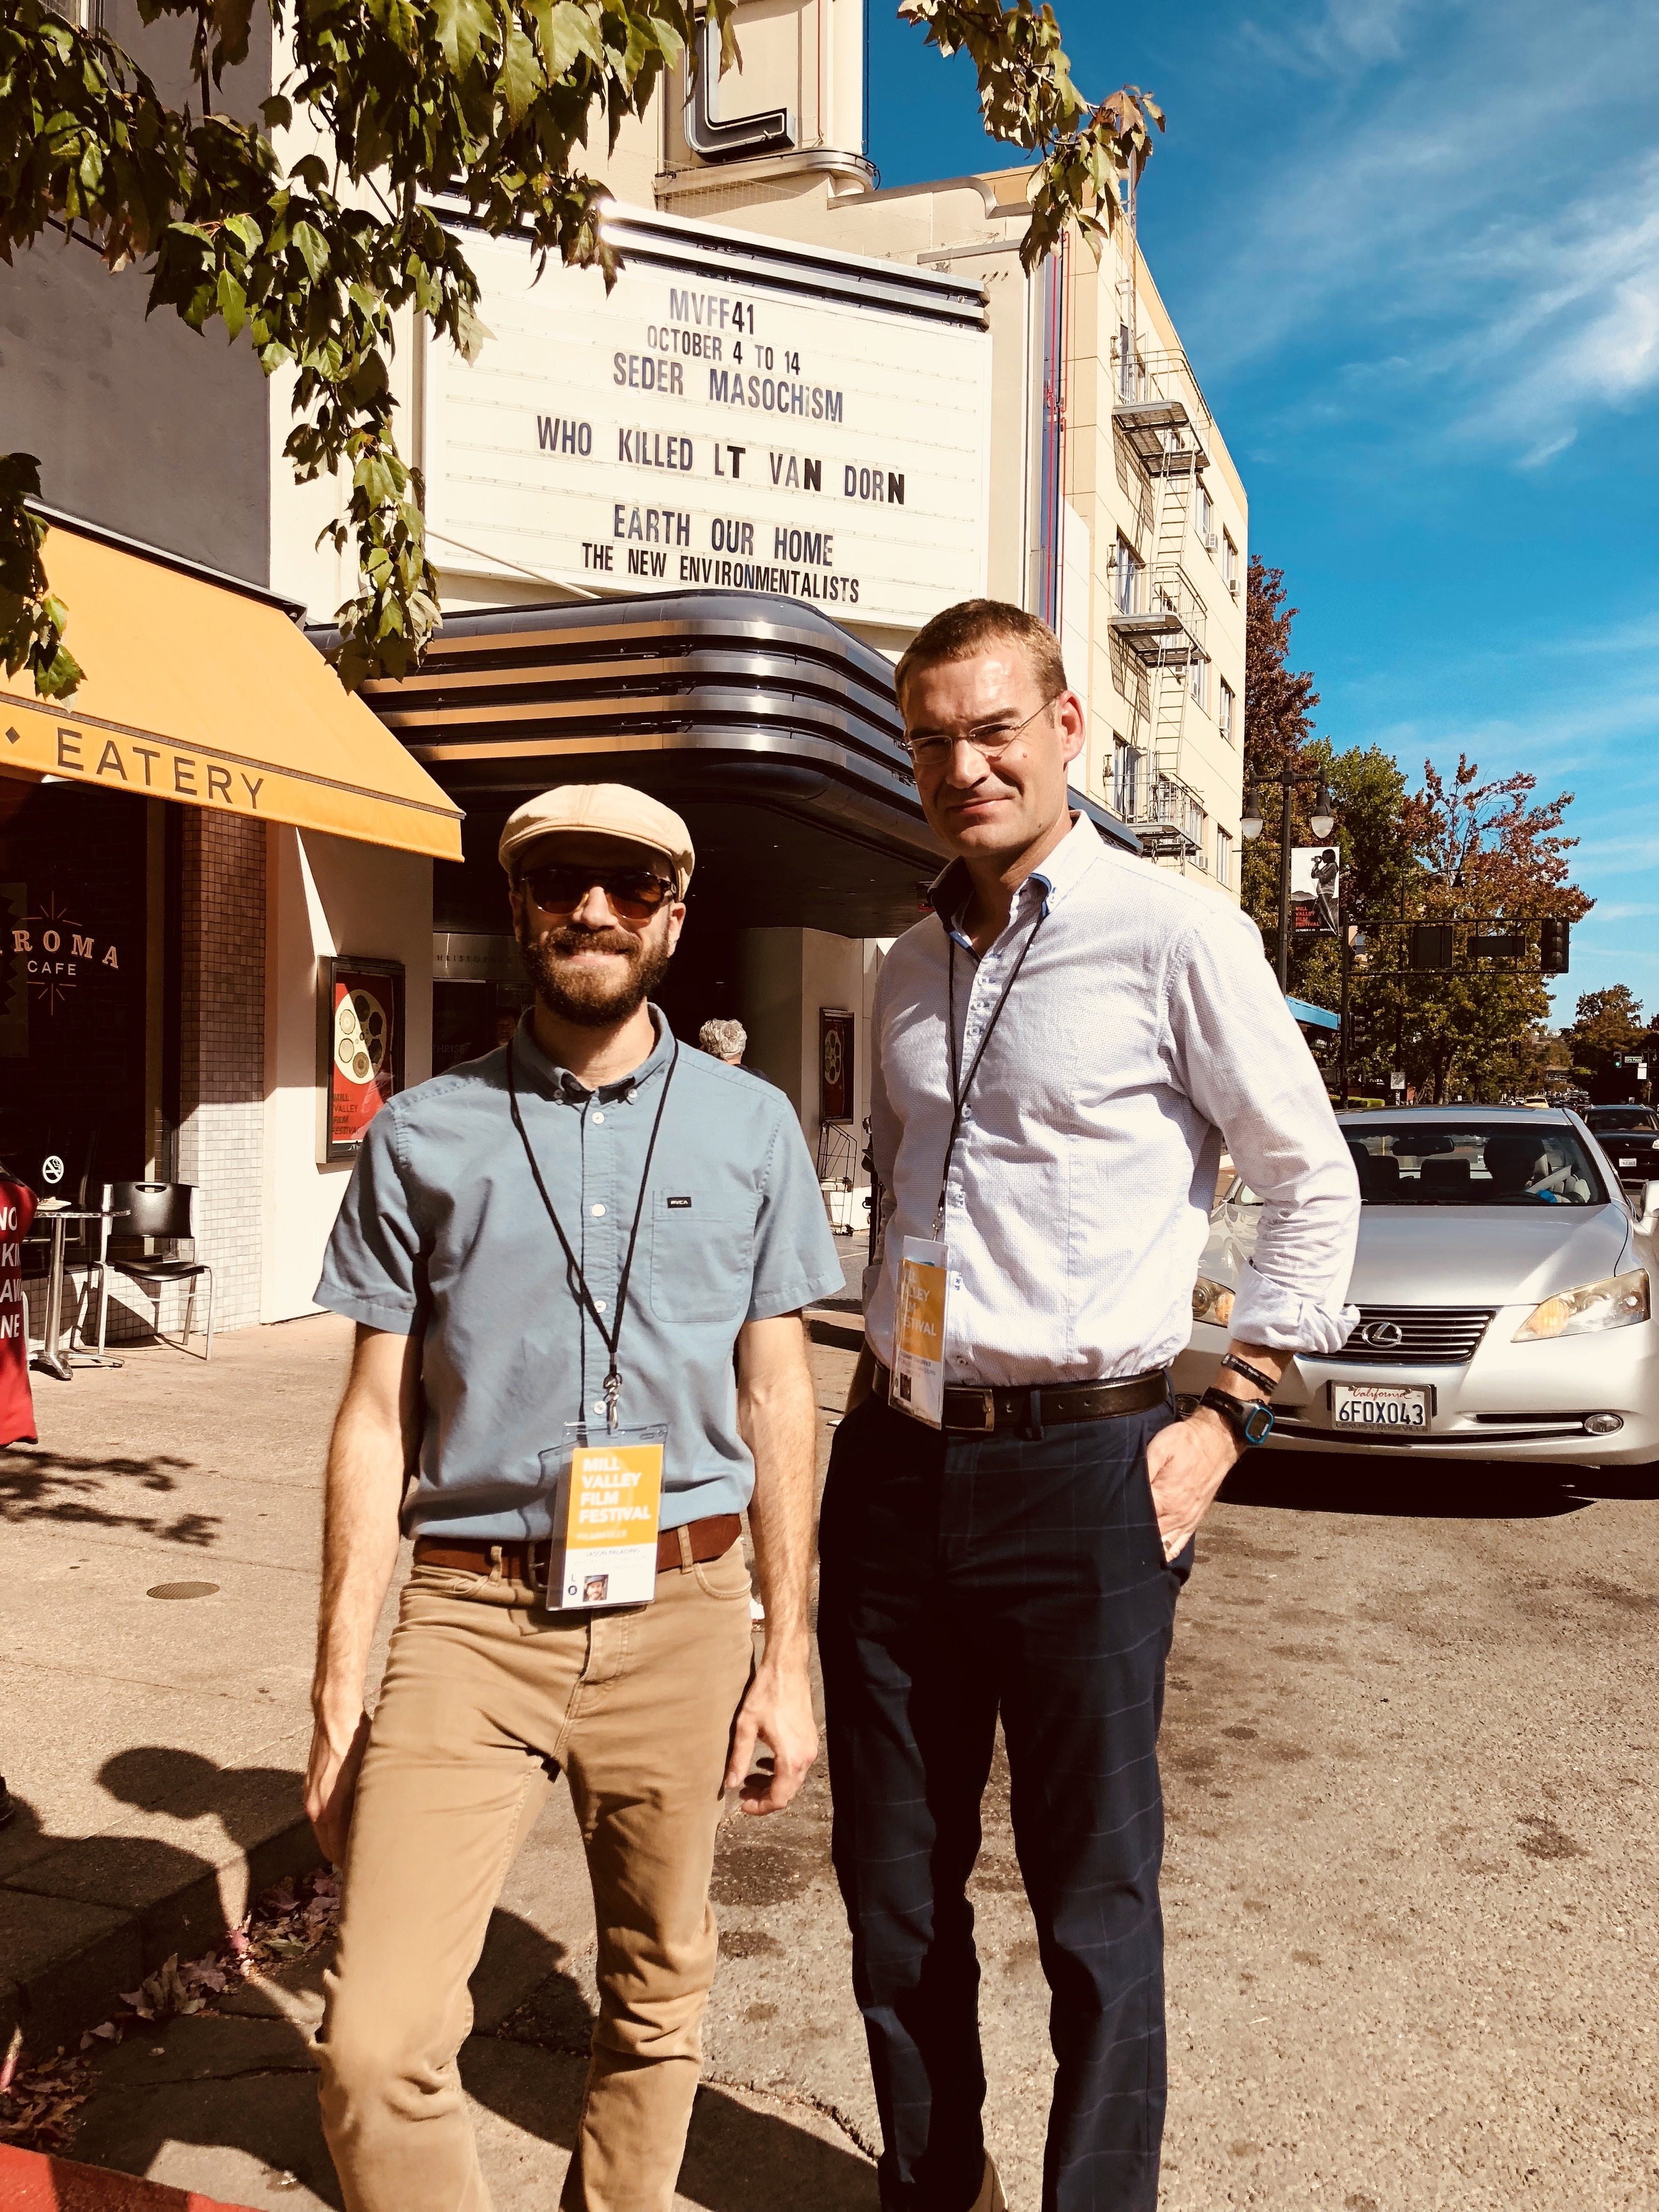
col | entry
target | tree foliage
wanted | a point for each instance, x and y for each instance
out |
(307, 227)
(1485, 856)
(1608, 1023)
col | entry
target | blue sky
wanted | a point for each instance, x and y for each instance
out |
(1413, 247)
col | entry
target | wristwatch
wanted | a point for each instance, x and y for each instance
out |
(1251, 1419)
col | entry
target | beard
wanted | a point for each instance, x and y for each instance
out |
(583, 994)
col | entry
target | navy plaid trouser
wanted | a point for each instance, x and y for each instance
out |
(963, 1575)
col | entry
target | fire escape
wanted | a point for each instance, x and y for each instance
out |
(1158, 614)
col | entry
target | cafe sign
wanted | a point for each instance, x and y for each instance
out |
(55, 953)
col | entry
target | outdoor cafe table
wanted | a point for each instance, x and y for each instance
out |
(50, 1359)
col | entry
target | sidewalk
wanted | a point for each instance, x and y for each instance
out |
(155, 1745)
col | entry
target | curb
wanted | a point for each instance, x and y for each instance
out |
(112, 1948)
(32, 2183)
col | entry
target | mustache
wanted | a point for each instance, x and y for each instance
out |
(561, 944)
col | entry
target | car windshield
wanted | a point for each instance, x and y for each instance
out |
(1623, 1117)
(1462, 1162)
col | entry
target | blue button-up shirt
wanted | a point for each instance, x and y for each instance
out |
(443, 1230)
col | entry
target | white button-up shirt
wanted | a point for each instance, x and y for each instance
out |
(1145, 1027)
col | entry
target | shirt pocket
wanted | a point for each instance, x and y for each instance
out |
(702, 1257)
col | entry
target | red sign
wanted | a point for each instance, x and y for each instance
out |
(365, 1047)
(17, 1403)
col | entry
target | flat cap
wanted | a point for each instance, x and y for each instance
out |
(601, 810)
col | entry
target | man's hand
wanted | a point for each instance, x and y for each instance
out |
(1188, 1464)
(777, 1710)
(331, 1784)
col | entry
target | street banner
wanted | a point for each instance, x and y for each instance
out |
(1316, 889)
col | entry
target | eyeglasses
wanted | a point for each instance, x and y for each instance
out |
(990, 740)
(633, 894)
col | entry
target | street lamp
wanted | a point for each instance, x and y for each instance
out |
(1322, 821)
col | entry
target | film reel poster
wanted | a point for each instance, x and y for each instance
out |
(365, 1046)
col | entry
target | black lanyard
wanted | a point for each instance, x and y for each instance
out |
(961, 1085)
(609, 1337)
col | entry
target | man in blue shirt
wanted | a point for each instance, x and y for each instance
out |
(576, 1229)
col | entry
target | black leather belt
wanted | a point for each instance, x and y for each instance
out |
(982, 1411)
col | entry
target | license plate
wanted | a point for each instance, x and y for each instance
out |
(1628, 1163)
(1379, 1405)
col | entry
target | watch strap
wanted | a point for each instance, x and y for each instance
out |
(1264, 1383)
(1251, 1419)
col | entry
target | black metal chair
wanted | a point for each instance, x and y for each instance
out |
(163, 1211)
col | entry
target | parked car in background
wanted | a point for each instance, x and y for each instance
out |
(1629, 1135)
(1505, 1289)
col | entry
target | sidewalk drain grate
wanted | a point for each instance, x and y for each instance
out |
(183, 1589)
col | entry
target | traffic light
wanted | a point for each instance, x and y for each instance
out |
(1430, 952)
(1553, 944)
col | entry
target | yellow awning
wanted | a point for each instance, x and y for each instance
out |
(198, 692)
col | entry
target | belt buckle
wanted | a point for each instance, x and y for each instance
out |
(988, 1407)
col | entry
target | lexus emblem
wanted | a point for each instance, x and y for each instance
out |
(1382, 1335)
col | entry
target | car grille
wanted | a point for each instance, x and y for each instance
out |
(1436, 1335)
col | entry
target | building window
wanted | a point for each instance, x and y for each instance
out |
(1228, 716)
(1198, 679)
(1127, 581)
(1207, 518)
(1126, 780)
(1196, 825)
(1131, 370)
(1224, 859)
(1230, 562)
(84, 14)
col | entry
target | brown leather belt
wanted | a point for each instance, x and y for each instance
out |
(980, 1411)
(706, 1538)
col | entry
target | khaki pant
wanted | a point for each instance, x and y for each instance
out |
(486, 1696)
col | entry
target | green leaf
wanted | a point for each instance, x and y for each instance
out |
(313, 248)
(520, 76)
(567, 31)
(233, 303)
(279, 113)
(461, 26)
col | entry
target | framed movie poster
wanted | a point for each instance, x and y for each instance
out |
(835, 1064)
(362, 1024)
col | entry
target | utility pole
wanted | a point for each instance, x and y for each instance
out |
(1321, 822)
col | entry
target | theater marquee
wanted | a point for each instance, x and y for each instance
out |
(737, 413)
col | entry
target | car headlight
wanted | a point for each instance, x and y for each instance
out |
(1614, 1302)
(1214, 1301)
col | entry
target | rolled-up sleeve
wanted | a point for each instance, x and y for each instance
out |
(1242, 1059)
(373, 1268)
(795, 1255)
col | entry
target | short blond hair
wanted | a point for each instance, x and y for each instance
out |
(966, 629)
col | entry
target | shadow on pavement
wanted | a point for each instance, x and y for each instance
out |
(1429, 1489)
(246, 2082)
(65, 1491)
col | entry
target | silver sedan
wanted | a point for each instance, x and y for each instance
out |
(1503, 1282)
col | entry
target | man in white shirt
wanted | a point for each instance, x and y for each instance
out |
(1059, 1050)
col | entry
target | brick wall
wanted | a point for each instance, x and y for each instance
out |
(222, 1073)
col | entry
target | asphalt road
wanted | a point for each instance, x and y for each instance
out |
(1410, 1900)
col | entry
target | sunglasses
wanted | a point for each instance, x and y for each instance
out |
(633, 894)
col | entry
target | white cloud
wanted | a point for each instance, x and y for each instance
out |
(1480, 229)
(1351, 35)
